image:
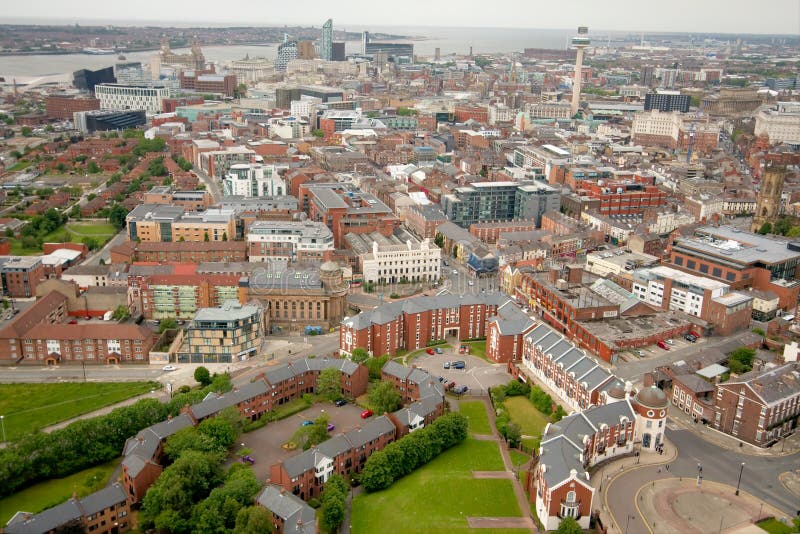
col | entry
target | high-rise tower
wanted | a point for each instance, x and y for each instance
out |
(768, 204)
(580, 42)
(326, 41)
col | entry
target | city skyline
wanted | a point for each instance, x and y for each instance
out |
(714, 16)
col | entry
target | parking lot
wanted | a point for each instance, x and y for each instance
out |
(479, 375)
(266, 441)
(678, 343)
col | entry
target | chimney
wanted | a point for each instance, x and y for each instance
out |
(553, 276)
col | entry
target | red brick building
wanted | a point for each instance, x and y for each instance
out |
(465, 112)
(488, 232)
(180, 252)
(19, 275)
(63, 106)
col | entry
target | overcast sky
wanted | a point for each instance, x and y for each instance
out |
(731, 16)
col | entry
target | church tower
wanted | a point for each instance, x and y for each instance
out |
(768, 205)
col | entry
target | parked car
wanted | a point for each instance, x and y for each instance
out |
(429, 351)
(460, 389)
(248, 460)
(458, 365)
(439, 350)
(366, 414)
(340, 402)
(455, 271)
(308, 423)
(446, 365)
(446, 263)
(441, 379)
(663, 345)
(690, 338)
(169, 368)
(669, 342)
(695, 334)
(471, 283)
(450, 386)
(640, 353)
(331, 427)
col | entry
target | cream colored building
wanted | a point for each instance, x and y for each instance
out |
(780, 123)
(397, 257)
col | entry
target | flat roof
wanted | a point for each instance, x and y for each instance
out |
(735, 245)
(684, 278)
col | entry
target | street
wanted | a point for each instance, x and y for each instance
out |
(211, 185)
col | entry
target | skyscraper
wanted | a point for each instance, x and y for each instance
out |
(287, 51)
(580, 42)
(326, 41)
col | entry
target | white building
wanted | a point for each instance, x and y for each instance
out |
(549, 110)
(118, 97)
(397, 257)
(500, 113)
(305, 107)
(656, 124)
(288, 240)
(289, 128)
(253, 180)
(667, 221)
(686, 293)
(780, 123)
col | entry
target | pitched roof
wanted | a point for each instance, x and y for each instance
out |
(298, 517)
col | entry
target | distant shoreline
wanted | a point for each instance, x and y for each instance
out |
(126, 51)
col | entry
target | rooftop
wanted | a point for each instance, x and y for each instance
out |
(731, 244)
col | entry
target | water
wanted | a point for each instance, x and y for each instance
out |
(426, 40)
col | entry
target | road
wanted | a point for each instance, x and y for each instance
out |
(759, 476)
(105, 252)
(211, 185)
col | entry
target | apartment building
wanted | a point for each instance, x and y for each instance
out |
(178, 252)
(505, 333)
(253, 180)
(157, 222)
(19, 275)
(412, 324)
(232, 332)
(294, 241)
(117, 97)
(290, 514)
(396, 258)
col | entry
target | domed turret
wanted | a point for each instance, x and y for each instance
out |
(652, 397)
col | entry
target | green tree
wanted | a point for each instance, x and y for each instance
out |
(253, 520)
(92, 168)
(313, 434)
(333, 503)
(782, 226)
(26, 131)
(318, 133)
(513, 434)
(169, 324)
(794, 231)
(156, 167)
(359, 355)
(384, 397)
(541, 400)
(568, 525)
(189, 439)
(184, 164)
(91, 242)
(121, 313)
(439, 240)
(116, 216)
(329, 386)
(766, 228)
(206, 238)
(201, 374)
(375, 365)
(220, 430)
(741, 360)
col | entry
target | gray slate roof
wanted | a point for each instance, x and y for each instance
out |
(290, 508)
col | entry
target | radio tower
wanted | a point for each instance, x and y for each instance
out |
(580, 42)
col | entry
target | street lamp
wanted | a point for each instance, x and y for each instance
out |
(741, 468)
(3, 424)
(627, 522)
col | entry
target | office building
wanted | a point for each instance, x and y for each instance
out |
(396, 258)
(287, 51)
(306, 50)
(158, 222)
(250, 180)
(86, 80)
(499, 201)
(62, 106)
(338, 53)
(326, 41)
(534, 200)
(117, 97)
(780, 123)
(226, 334)
(293, 241)
(399, 52)
(193, 60)
(89, 122)
(667, 101)
(204, 82)
(20, 275)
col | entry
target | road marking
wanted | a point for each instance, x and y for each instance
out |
(639, 510)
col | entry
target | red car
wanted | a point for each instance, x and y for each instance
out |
(663, 345)
(429, 351)
(366, 414)
(695, 334)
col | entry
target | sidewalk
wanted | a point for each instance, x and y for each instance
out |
(788, 445)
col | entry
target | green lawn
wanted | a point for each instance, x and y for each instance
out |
(441, 495)
(773, 526)
(27, 407)
(517, 457)
(94, 229)
(48, 494)
(477, 348)
(20, 165)
(74, 232)
(476, 413)
(525, 415)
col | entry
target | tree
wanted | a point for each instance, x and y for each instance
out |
(782, 226)
(220, 430)
(313, 434)
(189, 439)
(184, 164)
(568, 525)
(156, 167)
(384, 397)
(121, 313)
(329, 385)
(116, 216)
(205, 237)
(766, 228)
(359, 355)
(741, 360)
(201, 374)
(334, 496)
(541, 400)
(375, 366)
(253, 520)
(318, 133)
(439, 240)
(26, 131)
(92, 168)
(513, 434)
(168, 324)
(91, 242)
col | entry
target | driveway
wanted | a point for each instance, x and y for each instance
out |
(479, 375)
(266, 441)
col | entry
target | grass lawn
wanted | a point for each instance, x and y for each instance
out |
(74, 232)
(94, 229)
(48, 494)
(476, 413)
(20, 165)
(477, 348)
(526, 415)
(28, 407)
(517, 457)
(773, 526)
(441, 495)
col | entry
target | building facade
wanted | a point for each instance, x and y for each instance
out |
(253, 180)
(117, 97)
(232, 332)
(294, 241)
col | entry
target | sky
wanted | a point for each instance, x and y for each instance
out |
(708, 16)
